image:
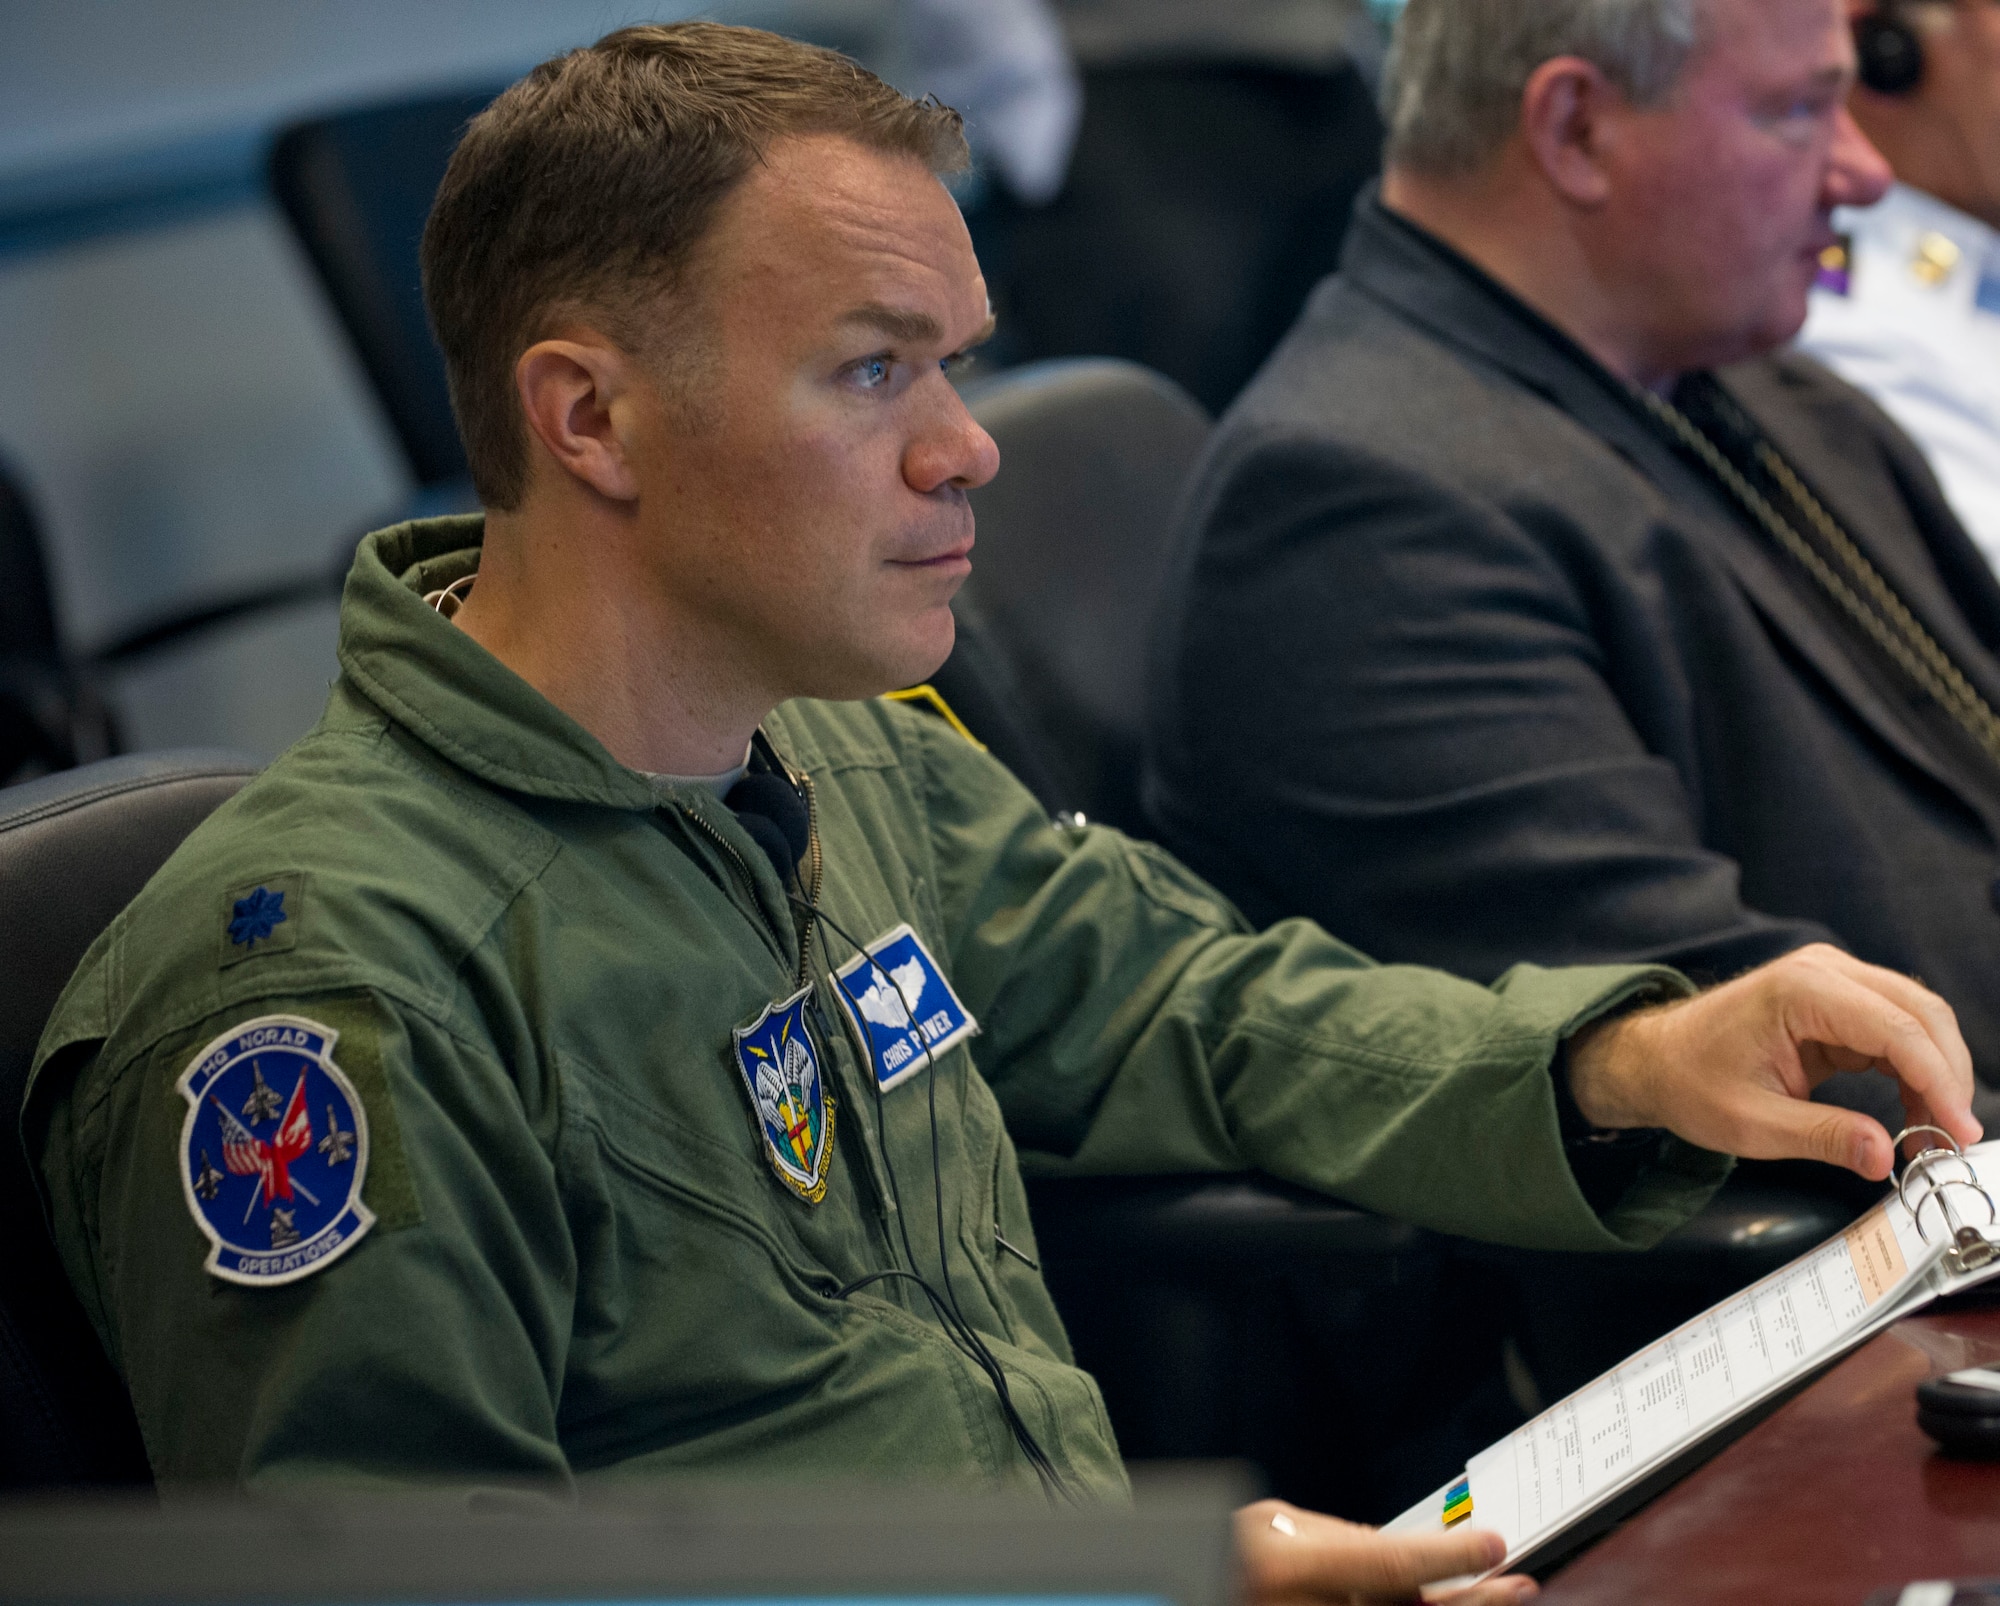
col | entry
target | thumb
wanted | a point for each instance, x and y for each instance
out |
(1782, 1128)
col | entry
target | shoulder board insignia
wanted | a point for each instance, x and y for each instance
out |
(273, 1152)
(927, 697)
(1935, 260)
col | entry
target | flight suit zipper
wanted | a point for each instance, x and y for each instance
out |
(813, 859)
(874, 1164)
(689, 813)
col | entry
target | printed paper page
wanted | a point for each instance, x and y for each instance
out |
(1583, 1448)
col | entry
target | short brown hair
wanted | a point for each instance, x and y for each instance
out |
(585, 187)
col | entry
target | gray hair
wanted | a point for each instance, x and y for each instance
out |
(1451, 92)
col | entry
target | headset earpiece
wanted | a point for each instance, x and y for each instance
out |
(1888, 53)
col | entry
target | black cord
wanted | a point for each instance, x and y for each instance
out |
(964, 1336)
(950, 1315)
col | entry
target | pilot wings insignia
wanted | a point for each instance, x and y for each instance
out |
(780, 1067)
(883, 1001)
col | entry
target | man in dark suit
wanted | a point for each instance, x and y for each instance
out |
(1529, 605)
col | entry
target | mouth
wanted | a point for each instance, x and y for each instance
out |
(956, 558)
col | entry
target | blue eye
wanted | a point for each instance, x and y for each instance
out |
(872, 372)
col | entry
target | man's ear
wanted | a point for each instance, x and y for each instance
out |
(1563, 120)
(575, 394)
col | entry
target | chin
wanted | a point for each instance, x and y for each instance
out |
(1787, 318)
(1775, 328)
(926, 651)
(886, 665)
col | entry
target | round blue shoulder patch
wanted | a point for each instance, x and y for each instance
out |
(273, 1151)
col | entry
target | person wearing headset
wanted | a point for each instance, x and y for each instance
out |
(1908, 303)
(603, 1045)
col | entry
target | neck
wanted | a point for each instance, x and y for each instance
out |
(1521, 234)
(563, 601)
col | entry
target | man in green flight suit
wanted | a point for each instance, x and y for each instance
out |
(531, 1074)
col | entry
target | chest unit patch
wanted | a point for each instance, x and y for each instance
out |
(780, 1066)
(273, 1152)
(901, 1004)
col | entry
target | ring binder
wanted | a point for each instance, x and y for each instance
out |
(1560, 1479)
(1970, 1248)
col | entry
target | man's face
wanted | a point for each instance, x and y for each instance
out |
(1720, 197)
(803, 483)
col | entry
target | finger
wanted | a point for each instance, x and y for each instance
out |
(1511, 1590)
(1508, 1591)
(1838, 1010)
(1392, 1564)
(1940, 1022)
(1774, 1127)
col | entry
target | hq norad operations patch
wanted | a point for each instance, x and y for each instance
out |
(273, 1151)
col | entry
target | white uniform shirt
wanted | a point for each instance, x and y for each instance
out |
(1918, 329)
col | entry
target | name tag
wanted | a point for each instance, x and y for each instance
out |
(901, 1005)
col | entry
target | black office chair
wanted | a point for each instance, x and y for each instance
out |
(978, 684)
(75, 848)
(53, 707)
(356, 187)
(51, 713)
(1204, 201)
(1072, 540)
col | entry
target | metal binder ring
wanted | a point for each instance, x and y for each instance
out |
(1921, 1163)
(1937, 1193)
(1912, 1131)
(1924, 1166)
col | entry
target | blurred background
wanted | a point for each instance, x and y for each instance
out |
(192, 439)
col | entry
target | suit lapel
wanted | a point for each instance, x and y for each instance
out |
(1775, 591)
(1775, 595)
(1466, 309)
(1886, 534)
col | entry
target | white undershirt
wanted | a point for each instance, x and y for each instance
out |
(718, 784)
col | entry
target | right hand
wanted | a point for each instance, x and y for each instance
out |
(1733, 1069)
(1327, 1562)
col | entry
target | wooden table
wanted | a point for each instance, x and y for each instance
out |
(1835, 1496)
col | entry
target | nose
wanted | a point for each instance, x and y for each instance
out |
(1857, 174)
(951, 449)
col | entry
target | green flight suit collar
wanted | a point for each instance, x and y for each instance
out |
(449, 692)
